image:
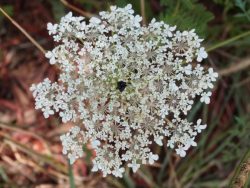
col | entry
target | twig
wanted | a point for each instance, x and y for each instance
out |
(144, 21)
(235, 67)
(191, 177)
(23, 31)
(17, 166)
(241, 174)
(74, 8)
(156, 165)
(241, 83)
(13, 128)
(43, 158)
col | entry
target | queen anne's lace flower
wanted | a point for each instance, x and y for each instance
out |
(126, 86)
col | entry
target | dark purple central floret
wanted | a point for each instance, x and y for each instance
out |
(121, 85)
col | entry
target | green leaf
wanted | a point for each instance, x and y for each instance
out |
(226, 4)
(58, 10)
(3, 175)
(239, 15)
(8, 9)
(241, 4)
(187, 15)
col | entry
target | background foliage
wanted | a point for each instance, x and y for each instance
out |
(30, 151)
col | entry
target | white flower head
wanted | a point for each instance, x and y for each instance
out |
(134, 166)
(118, 172)
(158, 140)
(95, 143)
(180, 151)
(52, 28)
(152, 158)
(95, 20)
(199, 127)
(202, 54)
(205, 97)
(212, 75)
(72, 144)
(127, 86)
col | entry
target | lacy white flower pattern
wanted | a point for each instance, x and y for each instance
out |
(126, 86)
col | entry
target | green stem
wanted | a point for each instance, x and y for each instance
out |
(176, 8)
(228, 41)
(71, 176)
